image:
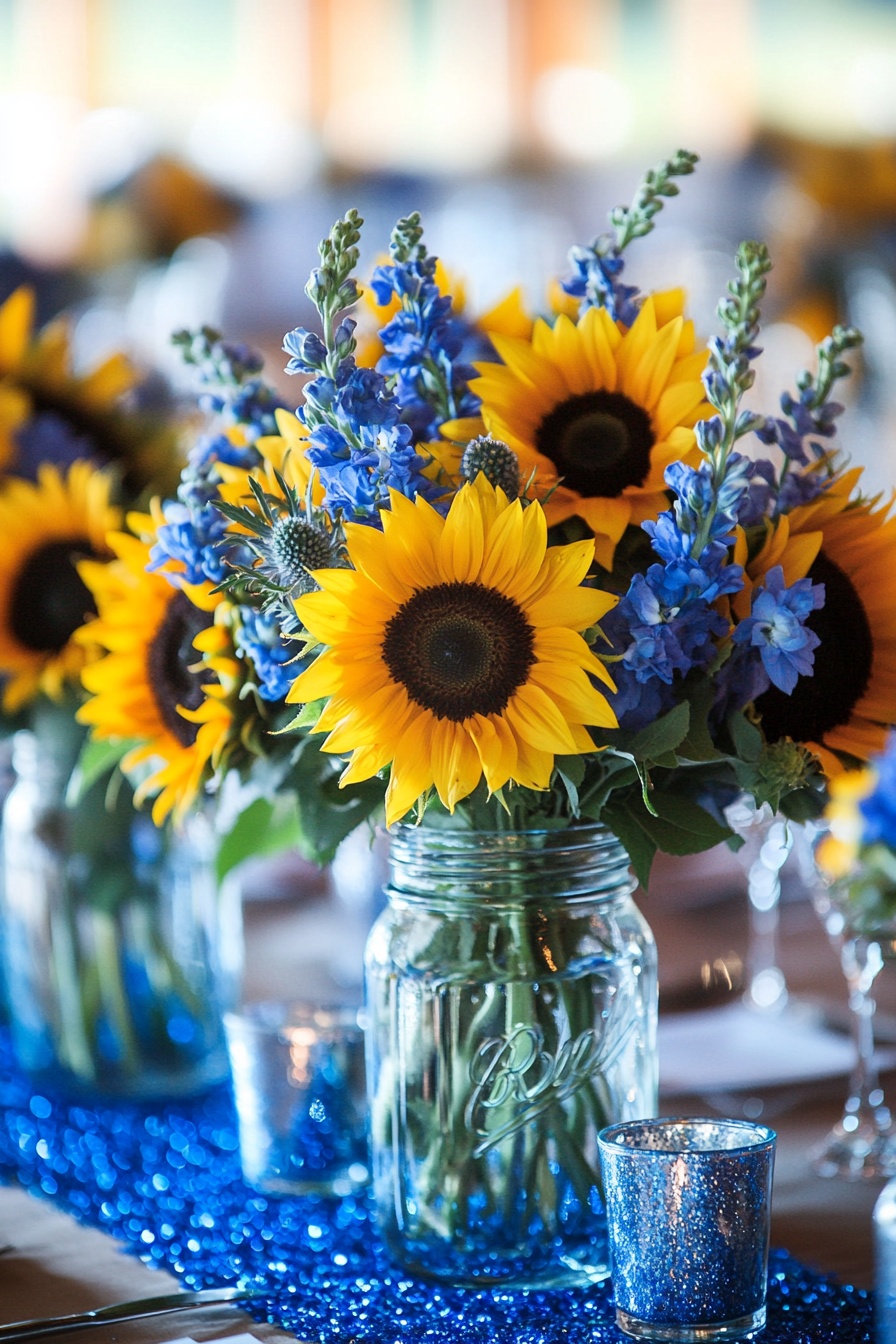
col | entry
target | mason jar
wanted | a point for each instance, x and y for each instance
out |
(120, 952)
(512, 1007)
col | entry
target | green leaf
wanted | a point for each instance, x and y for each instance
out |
(629, 831)
(96, 760)
(698, 744)
(571, 773)
(573, 767)
(802, 804)
(746, 738)
(682, 826)
(326, 813)
(657, 739)
(616, 772)
(307, 717)
(264, 828)
(679, 825)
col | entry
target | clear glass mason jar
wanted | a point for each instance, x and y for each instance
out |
(120, 953)
(512, 1001)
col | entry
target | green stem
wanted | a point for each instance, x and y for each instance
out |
(108, 943)
(73, 1039)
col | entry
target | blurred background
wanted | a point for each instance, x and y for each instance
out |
(174, 163)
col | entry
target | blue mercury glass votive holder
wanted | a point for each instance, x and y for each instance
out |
(688, 1207)
(300, 1093)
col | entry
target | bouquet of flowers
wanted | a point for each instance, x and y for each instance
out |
(508, 578)
(98, 996)
(75, 449)
(519, 571)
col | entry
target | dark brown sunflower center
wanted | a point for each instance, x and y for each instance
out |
(49, 599)
(842, 664)
(599, 442)
(169, 661)
(459, 649)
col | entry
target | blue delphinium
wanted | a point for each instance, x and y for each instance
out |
(878, 808)
(230, 375)
(424, 340)
(667, 622)
(777, 627)
(194, 528)
(357, 444)
(257, 637)
(811, 418)
(596, 277)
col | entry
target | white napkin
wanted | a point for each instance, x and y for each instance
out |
(731, 1048)
(244, 1338)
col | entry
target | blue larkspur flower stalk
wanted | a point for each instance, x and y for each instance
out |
(878, 808)
(232, 386)
(424, 339)
(808, 421)
(357, 444)
(596, 277)
(667, 622)
(194, 531)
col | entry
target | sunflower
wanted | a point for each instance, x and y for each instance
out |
(847, 705)
(47, 411)
(596, 412)
(454, 649)
(165, 677)
(47, 526)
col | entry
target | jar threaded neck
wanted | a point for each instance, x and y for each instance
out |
(576, 861)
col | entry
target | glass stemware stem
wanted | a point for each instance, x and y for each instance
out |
(768, 840)
(862, 961)
(863, 1142)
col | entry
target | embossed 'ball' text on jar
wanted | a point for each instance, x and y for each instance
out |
(512, 1002)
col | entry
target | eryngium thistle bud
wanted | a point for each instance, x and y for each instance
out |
(295, 547)
(498, 463)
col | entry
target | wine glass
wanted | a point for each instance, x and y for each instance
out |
(767, 843)
(862, 1143)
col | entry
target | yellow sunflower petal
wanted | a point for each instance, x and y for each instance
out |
(535, 718)
(412, 773)
(496, 744)
(456, 767)
(16, 325)
(570, 690)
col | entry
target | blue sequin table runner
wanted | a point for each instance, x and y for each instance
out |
(166, 1181)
